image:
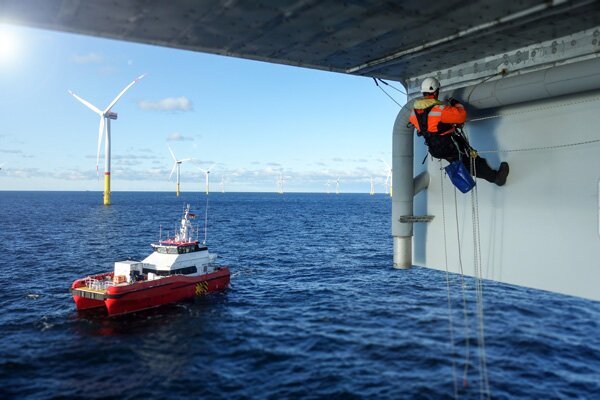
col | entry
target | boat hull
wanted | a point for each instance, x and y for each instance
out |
(123, 299)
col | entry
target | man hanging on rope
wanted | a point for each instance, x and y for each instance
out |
(440, 124)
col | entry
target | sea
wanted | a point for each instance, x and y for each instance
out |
(314, 310)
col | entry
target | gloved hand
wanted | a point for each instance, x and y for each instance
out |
(453, 101)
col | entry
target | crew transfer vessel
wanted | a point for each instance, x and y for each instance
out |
(179, 268)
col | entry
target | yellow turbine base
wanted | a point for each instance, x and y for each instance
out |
(178, 192)
(107, 188)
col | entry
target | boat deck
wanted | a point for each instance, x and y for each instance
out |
(89, 293)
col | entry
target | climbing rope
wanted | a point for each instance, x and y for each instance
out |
(543, 108)
(450, 324)
(386, 93)
(484, 382)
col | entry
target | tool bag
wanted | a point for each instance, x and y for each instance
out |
(460, 176)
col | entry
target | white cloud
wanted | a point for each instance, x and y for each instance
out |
(181, 103)
(89, 58)
(177, 137)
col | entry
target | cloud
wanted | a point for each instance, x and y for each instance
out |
(11, 151)
(181, 103)
(89, 58)
(177, 137)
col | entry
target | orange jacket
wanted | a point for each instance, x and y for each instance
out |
(440, 113)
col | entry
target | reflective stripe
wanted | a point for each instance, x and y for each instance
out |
(441, 107)
(434, 114)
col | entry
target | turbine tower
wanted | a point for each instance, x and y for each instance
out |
(328, 184)
(337, 186)
(388, 178)
(105, 117)
(372, 192)
(206, 176)
(280, 183)
(222, 183)
(177, 166)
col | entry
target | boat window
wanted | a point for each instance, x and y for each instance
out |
(171, 250)
(161, 250)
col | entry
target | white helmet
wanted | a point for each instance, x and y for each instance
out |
(430, 85)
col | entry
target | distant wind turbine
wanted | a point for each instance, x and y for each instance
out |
(372, 192)
(222, 183)
(388, 178)
(328, 184)
(105, 117)
(177, 167)
(280, 181)
(206, 176)
(337, 186)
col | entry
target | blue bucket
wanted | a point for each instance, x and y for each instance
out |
(460, 176)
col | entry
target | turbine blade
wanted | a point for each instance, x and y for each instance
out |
(100, 133)
(186, 159)
(86, 103)
(172, 154)
(211, 167)
(386, 164)
(173, 170)
(112, 103)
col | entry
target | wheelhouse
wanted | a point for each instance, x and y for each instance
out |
(178, 248)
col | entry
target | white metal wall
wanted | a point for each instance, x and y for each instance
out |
(541, 229)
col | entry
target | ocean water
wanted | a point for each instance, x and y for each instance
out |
(314, 309)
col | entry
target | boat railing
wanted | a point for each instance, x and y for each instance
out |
(97, 284)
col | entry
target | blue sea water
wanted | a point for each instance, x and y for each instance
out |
(314, 310)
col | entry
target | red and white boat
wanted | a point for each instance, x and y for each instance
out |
(178, 268)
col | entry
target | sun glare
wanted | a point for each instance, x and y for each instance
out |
(7, 46)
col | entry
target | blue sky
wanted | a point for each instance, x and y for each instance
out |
(252, 119)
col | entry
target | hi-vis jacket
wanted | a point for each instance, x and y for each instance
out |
(441, 116)
(435, 121)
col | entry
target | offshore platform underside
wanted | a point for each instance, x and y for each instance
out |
(527, 70)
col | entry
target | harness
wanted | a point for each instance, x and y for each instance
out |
(450, 143)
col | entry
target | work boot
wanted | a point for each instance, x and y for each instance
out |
(502, 174)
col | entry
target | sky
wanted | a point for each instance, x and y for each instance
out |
(253, 120)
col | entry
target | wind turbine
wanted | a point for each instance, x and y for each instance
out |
(222, 183)
(328, 184)
(1, 165)
(280, 183)
(388, 178)
(177, 166)
(372, 192)
(206, 175)
(337, 186)
(105, 117)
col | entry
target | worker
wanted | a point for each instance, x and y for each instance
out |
(440, 124)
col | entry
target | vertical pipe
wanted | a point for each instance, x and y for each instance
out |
(402, 184)
(107, 165)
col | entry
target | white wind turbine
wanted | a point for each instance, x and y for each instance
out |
(177, 167)
(206, 176)
(105, 116)
(328, 184)
(372, 192)
(280, 182)
(222, 183)
(388, 178)
(337, 186)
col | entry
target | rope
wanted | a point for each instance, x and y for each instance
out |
(484, 383)
(464, 297)
(392, 86)
(588, 100)
(386, 93)
(450, 324)
(558, 146)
